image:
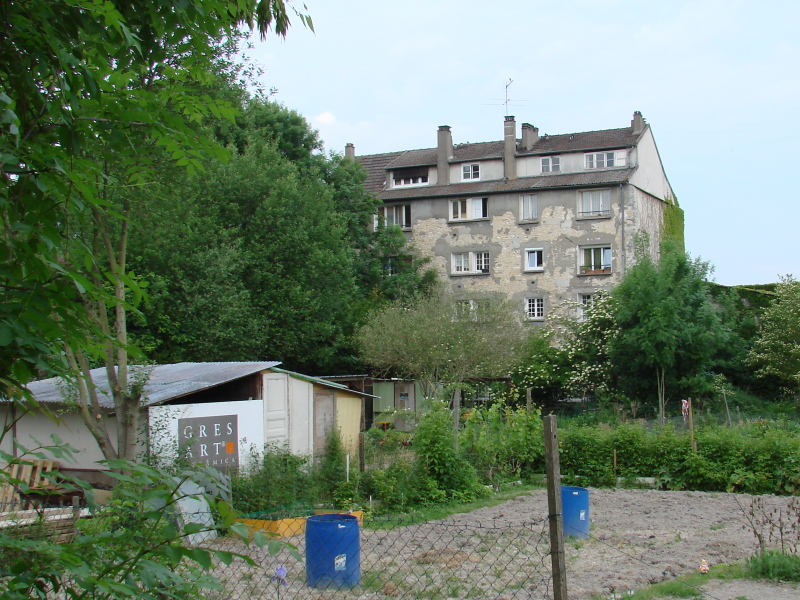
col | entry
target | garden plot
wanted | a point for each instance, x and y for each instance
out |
(637, 537)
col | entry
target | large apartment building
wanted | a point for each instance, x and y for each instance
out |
(543, 219)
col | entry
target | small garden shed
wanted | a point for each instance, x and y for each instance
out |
(214, 412)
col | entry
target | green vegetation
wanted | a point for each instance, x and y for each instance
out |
(755, 458)
(689, 586)
(774, 564)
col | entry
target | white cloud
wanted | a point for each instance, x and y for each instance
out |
(325, 118)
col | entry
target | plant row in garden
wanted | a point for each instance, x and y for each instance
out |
(754, 458)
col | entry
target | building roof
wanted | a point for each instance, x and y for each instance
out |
(375, 165)
(165, 382)
(494, 186)
(607, 139)
(323, 381)
(547, 144)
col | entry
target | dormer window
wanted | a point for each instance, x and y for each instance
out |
(602, 160)
(470, 172)
(551, 164)
(410, 176)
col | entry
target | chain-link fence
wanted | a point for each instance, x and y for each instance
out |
(452, 558)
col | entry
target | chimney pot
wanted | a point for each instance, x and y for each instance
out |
(510, 147)
(444, 152)
(530, 135)
(637, 123)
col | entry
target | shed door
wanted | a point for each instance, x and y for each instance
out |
(324, 418)
(276, 410)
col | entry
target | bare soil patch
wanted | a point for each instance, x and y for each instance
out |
(639, 537)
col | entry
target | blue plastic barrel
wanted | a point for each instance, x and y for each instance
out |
(575, 506)
(333, 551)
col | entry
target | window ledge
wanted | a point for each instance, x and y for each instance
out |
(528, 222)
(538, 270)
(534, 319)
(595, 272)
(457, 221)
(591, 217)
(469, 274)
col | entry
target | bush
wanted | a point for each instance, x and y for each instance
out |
(436, 456)
(756, 458)
(503, 443)
(773, 564)
(276, 480)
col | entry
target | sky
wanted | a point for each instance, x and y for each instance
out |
(718, 82)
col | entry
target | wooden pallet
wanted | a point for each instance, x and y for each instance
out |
(31, 473)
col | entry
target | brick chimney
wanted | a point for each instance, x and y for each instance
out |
(444, 154)
(637, 124)
(350, 151)
(510, 147)
(530, 135)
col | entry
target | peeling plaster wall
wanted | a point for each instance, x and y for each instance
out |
(559, 232)
(647, 216)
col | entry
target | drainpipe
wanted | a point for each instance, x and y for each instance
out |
(623, 261)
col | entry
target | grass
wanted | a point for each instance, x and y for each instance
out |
(773, 564)
(688, 586)
(434, 513)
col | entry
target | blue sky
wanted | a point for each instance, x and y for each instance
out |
(718, 81)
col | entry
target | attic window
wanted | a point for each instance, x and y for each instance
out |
(410, 176)
(551, 164)
(602, 160)
(470, 172)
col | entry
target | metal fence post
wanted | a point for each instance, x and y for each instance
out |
(556, 516)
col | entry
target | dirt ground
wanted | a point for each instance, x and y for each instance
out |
(636, 537)
(646, 536)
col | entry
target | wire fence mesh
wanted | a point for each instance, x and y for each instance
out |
(397, 559)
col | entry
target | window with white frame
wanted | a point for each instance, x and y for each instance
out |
(471, 171)
(551, 164)
(529, 208)
(595, 203)
(585, 302)
(595, 260)
(469, 310)
(534, 259)
(467, 209)
(410, 176)
(469, 263)
(602, 160)
(396, 214)
(534, 309)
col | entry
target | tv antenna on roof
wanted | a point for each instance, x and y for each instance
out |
(506, 102)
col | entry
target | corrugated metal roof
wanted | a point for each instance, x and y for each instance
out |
(321, 381)
(165, 382)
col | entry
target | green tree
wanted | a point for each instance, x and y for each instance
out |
(440, 340)
(89, 92)
(669, 331)
(776, 351)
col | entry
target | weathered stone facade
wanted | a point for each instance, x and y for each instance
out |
(547, 221)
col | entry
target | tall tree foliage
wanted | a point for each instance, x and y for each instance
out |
(90, 91)
(776, 351)
(271, 256)
(669, 331)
